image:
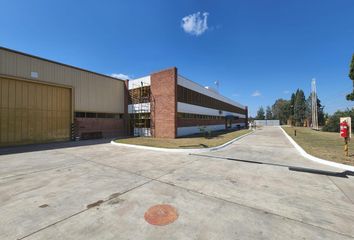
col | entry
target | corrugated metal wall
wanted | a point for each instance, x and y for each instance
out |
(92, 92)
(33, 113)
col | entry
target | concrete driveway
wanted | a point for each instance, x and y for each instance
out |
(245, 191)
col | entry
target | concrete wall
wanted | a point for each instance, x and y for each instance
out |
(267, 122)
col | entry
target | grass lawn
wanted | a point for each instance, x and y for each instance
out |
(193, 141)
(325, 145)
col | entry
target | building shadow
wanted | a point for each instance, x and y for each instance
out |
(343, 174)
(51, 146)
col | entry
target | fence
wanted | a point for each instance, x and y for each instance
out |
(267, 122)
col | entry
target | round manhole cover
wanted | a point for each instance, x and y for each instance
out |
(161, 214)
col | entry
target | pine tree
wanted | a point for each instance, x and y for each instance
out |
(299, 108)
(260, 114)
(269, 114)
(292, 103)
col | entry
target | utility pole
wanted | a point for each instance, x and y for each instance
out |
(314, 105)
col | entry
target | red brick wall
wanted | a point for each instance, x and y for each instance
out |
(109, 127)
(164, 94)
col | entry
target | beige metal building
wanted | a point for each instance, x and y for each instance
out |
(44, 101)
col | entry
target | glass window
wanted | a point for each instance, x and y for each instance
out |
(80, 114)
(101, 115)
(91, 115)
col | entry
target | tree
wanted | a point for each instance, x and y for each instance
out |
(320, 113)
(299, 108)
(260, 114)
(269, 114)
(292, 105)
(308, 114)
(350, 96)
(281, 110)
(332, 124)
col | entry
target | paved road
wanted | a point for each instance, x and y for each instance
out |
(245, 191)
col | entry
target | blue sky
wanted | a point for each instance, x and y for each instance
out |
(259, 50)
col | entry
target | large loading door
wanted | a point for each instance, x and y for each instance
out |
(33, 113)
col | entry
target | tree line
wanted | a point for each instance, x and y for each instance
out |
(295, 111)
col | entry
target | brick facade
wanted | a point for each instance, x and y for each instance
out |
(106, 127)
(164, 94)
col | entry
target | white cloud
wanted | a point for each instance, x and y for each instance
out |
(120, 76)
(196, 23)
(286, 91)
(256, 93)
(235, 95)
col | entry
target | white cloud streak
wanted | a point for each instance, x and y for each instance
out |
(256, 93)
(120, 76)
(195, 24)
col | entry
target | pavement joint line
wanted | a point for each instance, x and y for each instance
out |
(131, 189)
(39, 171)
(350, 200)
(106, 165)
(263, 145)
(82, 211)
(150, 180)
(253, 208)
(135, 173)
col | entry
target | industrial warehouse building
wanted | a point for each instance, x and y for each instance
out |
(45, 101)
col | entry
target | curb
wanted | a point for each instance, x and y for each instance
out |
(189, 150)
(316, 159)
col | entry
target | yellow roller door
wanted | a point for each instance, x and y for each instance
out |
(33, 113)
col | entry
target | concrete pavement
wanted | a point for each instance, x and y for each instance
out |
(245, 191)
